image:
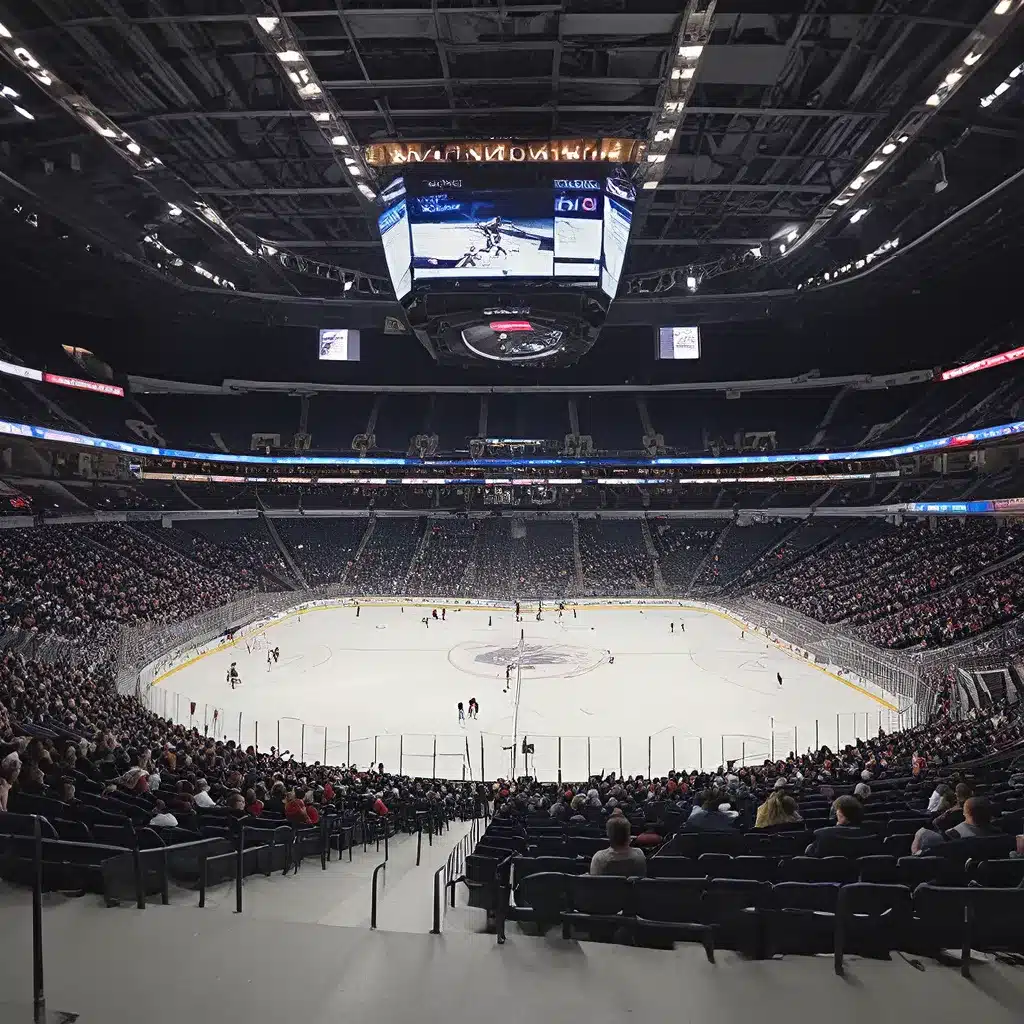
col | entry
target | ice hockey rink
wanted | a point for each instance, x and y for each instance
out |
(618, 686)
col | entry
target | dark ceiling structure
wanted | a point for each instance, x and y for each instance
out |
(170, 150)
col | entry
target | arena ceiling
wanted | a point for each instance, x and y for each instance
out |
(167, 143)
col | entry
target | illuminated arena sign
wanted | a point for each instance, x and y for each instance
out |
(506, 151)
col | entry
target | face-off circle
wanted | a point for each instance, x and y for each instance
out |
(537, 660)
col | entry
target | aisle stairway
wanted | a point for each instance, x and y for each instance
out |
(340, 896)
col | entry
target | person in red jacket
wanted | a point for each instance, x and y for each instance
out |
(379, 807)
(296, 811)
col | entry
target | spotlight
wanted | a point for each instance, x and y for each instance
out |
(268, 24)
(691, 283)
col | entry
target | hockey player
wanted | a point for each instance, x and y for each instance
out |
(508, 678)
(357, 611)
(778, 675)
(433, 614)
(474, 707)
(442, 614)
(233, 677)
(671, 627)
(517, 611)
(426, 621)
(462, 714)
(277, 654)
(270, 659)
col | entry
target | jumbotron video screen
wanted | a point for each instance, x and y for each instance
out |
(472, 224)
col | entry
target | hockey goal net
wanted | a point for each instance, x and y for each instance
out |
(257, 643)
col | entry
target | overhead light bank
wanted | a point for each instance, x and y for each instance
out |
(276, 36)
(693, 35)
(949, 80)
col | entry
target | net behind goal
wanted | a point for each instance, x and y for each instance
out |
(258, 642)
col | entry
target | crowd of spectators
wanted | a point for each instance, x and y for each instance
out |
(85, 582)
(241, 547)
(67, 735)
(901, 586)
(322, 547)
(523, 560)
(956, 615)
(740, 546)
(443, 562)
(383, 565)
(614, 557)
(682, 545)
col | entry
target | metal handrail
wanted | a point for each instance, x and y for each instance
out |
(451, 867)
(38, 993)
(382, 866)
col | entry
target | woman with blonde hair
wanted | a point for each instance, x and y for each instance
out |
(779, 809)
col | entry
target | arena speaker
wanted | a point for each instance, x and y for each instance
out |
(362, 443)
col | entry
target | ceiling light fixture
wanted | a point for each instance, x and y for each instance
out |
(339, 140)
(873, 166)
(24, 113)
(858, 215)
(26, 58)
(268, 24)
(4, 31)
(690, 52)
(648, 185)
(1002, 7)
(289, 56)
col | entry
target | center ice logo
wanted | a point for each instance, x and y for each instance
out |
(540, 660)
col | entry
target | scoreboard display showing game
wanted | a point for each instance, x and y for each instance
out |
(473, 224)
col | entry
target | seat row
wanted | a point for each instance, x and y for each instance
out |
(910, 871)
(762, 919)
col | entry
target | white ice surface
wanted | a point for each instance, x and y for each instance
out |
(370, 678)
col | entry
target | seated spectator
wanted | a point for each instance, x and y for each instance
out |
(952, 816)
(254, 799)
(8, 776)
(202, 797)
(940, 791)
(862, 791)
(275, 804)
(163, 817)
(620, 858)
(709, 816)
(977, 824)
(577, 806)
(379, 807)
(779, 809)
(236, 803)
(833, 839)
(295, 810)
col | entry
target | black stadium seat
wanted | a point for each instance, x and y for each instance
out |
(667, 909)
(674, 867)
